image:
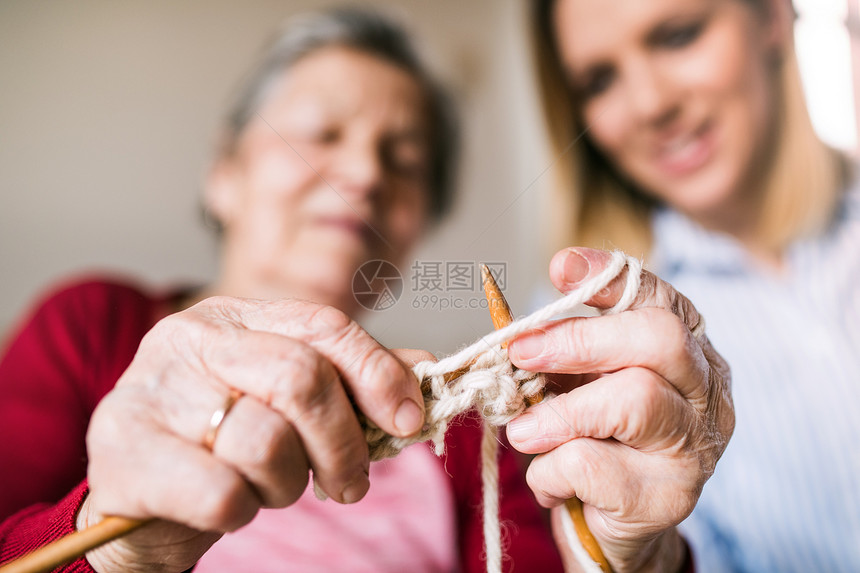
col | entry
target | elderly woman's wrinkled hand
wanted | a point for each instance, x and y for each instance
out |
(643, 415)
(296, 367)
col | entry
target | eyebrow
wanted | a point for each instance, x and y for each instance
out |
(688, 16)
(663, 26)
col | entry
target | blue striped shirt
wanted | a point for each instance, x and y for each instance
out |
(786, 494)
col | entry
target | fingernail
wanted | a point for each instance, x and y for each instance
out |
(355, 490)
(409, 417)
(522, 428)
(530, 346)
(576, 267)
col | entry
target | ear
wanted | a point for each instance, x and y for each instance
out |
(222, 191)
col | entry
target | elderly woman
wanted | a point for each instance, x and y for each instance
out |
(698, 153)
(338, 151)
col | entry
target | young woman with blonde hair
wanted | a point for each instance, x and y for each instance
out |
(698, 154)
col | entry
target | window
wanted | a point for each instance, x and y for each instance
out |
(826, 34)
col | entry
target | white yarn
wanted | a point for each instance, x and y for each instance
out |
(495, 388)
(576, 547)
(490, 491)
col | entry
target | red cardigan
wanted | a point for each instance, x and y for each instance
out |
(71, 350)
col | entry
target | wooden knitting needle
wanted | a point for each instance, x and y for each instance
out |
(500, 311)
(589, 543)
(501, 314)
(72, 546)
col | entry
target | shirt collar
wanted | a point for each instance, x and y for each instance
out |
(680, 243)
(850, 207)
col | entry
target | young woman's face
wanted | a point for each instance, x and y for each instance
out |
(331, 173)
(677, 94)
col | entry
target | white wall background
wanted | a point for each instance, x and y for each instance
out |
(108, 111)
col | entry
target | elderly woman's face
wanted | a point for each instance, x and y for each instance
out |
(331, 173)
(677, 94)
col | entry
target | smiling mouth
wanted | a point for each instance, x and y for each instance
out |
(686, 153)
(350, 226)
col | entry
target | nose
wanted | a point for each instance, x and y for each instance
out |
(651, 97)
(358, 168)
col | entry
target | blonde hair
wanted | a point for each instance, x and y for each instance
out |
(591, 204)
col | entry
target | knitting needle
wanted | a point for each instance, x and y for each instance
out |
(72, 546)
(501, 315)
(500, 312)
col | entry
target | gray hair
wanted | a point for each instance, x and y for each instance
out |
(377, 35)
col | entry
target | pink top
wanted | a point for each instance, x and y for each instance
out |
(409, 509)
